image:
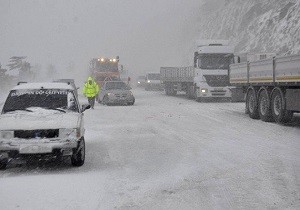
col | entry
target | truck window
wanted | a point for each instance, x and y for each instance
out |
(215, 61)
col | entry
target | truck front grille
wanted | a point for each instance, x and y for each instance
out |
(29, 134)
(217, 80)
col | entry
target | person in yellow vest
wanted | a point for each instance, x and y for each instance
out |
(91, 90)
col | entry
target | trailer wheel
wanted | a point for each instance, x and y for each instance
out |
(170, 90)
(191, 92)
(264, 106)
(251, 104)
(278, 105)
(167, 89)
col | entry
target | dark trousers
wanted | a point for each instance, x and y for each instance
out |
(91, 101)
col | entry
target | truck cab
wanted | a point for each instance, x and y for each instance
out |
(211, 62)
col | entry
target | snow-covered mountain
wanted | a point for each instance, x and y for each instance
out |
(252, 25)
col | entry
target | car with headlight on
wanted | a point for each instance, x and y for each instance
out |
(141, 81)
(116, 92)
(43, 121)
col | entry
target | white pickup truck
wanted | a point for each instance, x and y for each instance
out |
(42, 120)
(272, 87)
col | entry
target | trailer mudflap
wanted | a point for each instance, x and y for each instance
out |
(292, 103)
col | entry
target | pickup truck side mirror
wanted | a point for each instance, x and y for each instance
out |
(85, 107)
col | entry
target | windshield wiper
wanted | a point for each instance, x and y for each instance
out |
(27, 110)
(57, 109)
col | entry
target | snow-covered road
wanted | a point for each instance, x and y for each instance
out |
(168, 153)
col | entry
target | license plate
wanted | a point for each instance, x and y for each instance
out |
(35, 150)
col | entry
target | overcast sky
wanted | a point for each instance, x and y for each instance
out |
(146, 34)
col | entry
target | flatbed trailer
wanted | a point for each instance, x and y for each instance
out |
(272, 87)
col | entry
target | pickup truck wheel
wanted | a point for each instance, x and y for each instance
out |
(264, 106)
(252, 105)
(78, 157)
(279, 112)
(3, 164)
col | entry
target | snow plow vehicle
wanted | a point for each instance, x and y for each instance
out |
(272, 87)
(43, 121)
(105, 69)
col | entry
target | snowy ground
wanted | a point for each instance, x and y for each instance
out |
(167, 153)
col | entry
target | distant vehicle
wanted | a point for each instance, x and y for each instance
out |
(272, 87)
(116, 92)
(141, 81)
(42, 120)
(71, 82)
(153, 82)
(208, 78)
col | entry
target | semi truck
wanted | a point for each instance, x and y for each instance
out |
(208, 77)
(271, 85)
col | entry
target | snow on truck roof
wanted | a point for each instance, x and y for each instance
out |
(44, 85)
(215, 49)
(200, 42)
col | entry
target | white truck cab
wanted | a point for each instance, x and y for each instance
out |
(211, 62)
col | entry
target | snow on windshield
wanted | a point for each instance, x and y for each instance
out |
(44, 98)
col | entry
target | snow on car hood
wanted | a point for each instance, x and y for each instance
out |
(46, 119)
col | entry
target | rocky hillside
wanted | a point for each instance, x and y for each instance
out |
(252, 25)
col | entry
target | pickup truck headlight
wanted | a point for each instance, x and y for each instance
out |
(73, 133)
(6, 134)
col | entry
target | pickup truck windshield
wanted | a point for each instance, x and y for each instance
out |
(44, 98)
(215, 61)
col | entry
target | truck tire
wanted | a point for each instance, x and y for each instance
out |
(170, 91)
(191, 92)
(78, 157)
(199, 99)
(252, 104)
(278, 105)
(167, 89)
(173, 91)
(3, 164)
(264, 105)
